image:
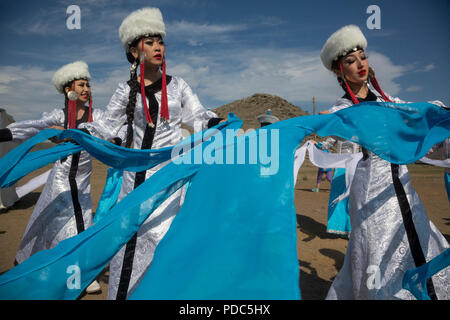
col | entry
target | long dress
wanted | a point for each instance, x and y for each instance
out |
(129, 265)
(64, 207)
(391, 232)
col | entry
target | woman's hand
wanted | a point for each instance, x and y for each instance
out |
(56, 140)
(324, 112)
(117, 141)
(56, 127)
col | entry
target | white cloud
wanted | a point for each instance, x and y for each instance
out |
(192, 28)
(218, 77)
(270, 21)
(196, 34)
(387, 72)
(103, 89)
(3, 89)
(51, 20)
(295, 75)
(429, 67)
(30, 92)
(8, 75)
(413, 89)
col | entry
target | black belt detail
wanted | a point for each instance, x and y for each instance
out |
(84, 118)
(73, 173)
(214, 122)
(413, 238)
(74, 192)
(127, 264)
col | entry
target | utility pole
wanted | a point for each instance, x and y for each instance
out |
(314, 105)
(314, 113)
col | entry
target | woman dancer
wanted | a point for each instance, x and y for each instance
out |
(146, 104)
(391, 232)
(64, 207)
(322, 171)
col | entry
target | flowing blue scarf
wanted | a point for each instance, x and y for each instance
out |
(235, 235)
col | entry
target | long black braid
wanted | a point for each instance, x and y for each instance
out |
(66, 111)
(66, 103)
(134, 89)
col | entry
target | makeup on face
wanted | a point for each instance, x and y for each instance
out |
(356, 66)
(353, 57)
(154, 49)
(83, 89)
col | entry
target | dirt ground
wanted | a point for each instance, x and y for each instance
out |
(320, 254)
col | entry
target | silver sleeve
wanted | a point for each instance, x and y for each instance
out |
(23, 130)
(114, 115)
(194, 114)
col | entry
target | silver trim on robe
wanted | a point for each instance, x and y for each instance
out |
(53, 218)
(378, 252)
(184, 107)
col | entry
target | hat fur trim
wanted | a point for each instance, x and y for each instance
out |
(142, 22)
(342, 42)
(72, 71)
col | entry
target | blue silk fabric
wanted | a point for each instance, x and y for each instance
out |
(235, 235)
(415, 280)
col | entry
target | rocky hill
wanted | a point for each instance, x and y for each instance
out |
(248, 109)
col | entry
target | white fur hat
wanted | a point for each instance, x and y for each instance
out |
(342, 42)
(145, 21)
(72, 71)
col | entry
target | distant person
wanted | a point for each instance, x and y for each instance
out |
(445, 146)
(64, 208)
(338, 221)
(322, 171)
(391, 232)
(338, 218)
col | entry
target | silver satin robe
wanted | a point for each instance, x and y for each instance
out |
(378, 253)
(184, 107)
(54, 218)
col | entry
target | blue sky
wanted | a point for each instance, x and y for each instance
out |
(225, 50)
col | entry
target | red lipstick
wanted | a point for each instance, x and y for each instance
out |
(362, 72)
